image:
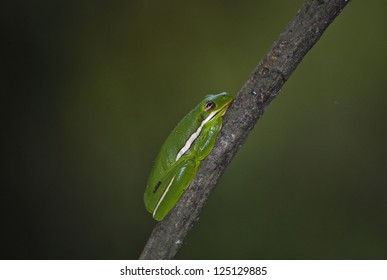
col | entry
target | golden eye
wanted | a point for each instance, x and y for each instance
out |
(209, 105)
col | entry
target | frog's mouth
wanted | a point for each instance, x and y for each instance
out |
(224, 109)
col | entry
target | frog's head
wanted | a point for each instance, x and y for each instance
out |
(215, 105)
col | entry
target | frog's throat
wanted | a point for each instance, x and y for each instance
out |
(195, 135)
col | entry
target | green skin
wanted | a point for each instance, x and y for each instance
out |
(170, 175)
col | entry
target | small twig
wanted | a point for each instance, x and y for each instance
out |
(262, 86)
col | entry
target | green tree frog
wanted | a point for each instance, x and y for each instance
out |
(179, 158)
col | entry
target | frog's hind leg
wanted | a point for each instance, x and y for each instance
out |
(178, 180)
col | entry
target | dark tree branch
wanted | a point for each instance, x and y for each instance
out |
(262, 86)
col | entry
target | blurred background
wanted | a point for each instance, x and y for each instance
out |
(91, 90)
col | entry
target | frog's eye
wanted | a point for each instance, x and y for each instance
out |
(209, 105)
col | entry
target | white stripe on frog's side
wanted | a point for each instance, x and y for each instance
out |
(194, 135)
(162, 197)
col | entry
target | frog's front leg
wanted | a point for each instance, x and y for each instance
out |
(206, 140)
(175, 183)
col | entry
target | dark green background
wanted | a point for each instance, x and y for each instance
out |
(91, 90)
